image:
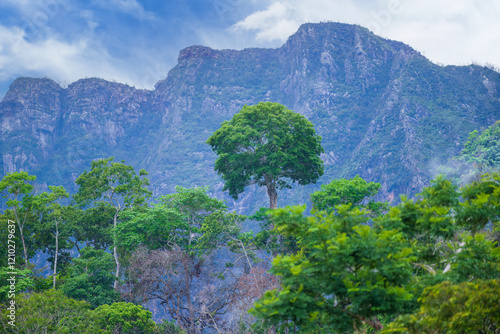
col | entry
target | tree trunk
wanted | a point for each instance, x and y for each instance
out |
(375, 323)
(55, 257)
(187, 276)
(115, 253)
(273, 199)
(271, 192)
(24, 245)
(22, 236)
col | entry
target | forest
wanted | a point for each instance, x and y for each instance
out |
(116, 260)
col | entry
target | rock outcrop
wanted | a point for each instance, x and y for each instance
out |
(383, 110)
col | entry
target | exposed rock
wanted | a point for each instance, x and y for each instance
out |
(383, 111)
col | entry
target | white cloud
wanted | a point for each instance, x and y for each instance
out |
(61, 61)
(281, 19)
(455, 32)
(34, 10)
(274, 23)
(131, 7)
(88, 16)
(448, 31)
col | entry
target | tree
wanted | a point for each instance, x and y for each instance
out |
(171, 244)
(174, 222)
(17, 189)
(345, 191)
(251, 286)
(169, 327)
(268, 145)
(23, 282)
(269, 240)
(481, 203)
(92, 227)
(124, 318)
(454, 308)
(346, 274)
(445, 232)
(49, 229)
(52, 312)
(483, 150)
(91, 278)
(117, 184)
(49, 312)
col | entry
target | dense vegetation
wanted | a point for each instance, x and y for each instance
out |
(384, 112)
(349, 265)
(267, 145)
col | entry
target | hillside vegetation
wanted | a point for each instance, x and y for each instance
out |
(351, 265)
(384, 112)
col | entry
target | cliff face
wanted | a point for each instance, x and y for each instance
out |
(54, 133)
(383, 110)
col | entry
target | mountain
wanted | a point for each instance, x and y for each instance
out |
(384, 112)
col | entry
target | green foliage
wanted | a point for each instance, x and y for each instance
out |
(344, 191)
(483, 150)
(194, 205)
(171, 244)
(116, 184)
(17, 189)
(167, 327)
(154, 228)
(49, 312)
(23, 282)
(53, 312)
(124, 318)
(481, 203)
(475, 257)
(223, 229)
(427, 222)
(93, 226)
(53, 230)
(91, 278)
(268, 145)
(189, 219)
(435, 224)
(175, 221)
(346, 273)
(454, 308)
(442, 192)
(111, 181)
(270, 239)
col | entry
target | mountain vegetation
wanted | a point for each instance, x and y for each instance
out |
(153, 245)
(383, 111)
(267, 145)
(351, 265)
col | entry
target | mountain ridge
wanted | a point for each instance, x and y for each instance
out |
(384, 111)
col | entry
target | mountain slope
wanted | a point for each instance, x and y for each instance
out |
(384, 111)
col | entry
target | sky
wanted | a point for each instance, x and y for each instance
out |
(137, 41)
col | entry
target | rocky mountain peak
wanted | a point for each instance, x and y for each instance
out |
(384, 112)
(24, 89)
(197, 51)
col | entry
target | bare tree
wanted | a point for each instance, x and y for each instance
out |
(185, 286)
(250, 287)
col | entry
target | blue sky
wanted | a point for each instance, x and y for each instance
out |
(137, 41)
